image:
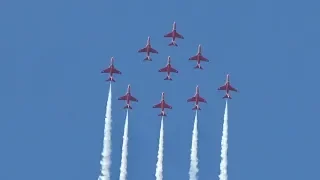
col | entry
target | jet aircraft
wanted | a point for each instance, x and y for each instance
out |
(128, 97)
(148, 49)
(112, 70)
(174, 34)
(227, 87)
(163, 105)
(199, 57)
(168, 69)
(197, 98)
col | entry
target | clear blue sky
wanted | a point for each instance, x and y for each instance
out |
(53, 96)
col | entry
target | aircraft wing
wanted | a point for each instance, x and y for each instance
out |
(163, 69)
(165, 105)
(106, 70)
(194, 57)
(232, 88)
(223, 87)
(123, 97)
(201, 99)
(191, 99)
(179, 35)
(169, 34)
(157, 105)
(153, 50)
(143, 50)
(202, 58)
(131, 98)
(171, 69)
(114, 70)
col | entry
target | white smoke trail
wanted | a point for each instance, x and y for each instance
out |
(123, 167)
(194, 151)
(224, 147)
(106, 152)
(159, 169)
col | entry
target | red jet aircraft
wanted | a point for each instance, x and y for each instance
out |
(168, 69)
(112, 70)
(198, 57)
(174, 34)
(148, 49)
(227, 87)
(197, 98)
(127, 97)
(162, 105)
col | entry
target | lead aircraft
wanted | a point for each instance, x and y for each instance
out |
(174, 34)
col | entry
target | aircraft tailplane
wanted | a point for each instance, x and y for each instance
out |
(173, 43)
(127, 107)
(196, 108)
(227, 96)
(147, 58)
(111, 79)
(162, 114)
(198, 67)
(168, 78)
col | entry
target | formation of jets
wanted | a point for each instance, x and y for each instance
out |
(148, 49)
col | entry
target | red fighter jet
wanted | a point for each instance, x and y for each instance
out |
(197, 98)
(198, 57)
(174, 34)
(163, 105)
(168, 69)
(112, 70)
(127, 97)
(227, 87)
(148, 49)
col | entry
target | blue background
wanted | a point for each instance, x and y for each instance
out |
(53, 96)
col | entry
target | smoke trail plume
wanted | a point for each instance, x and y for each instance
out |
(194, 151)
(159, 169)
(106, 152)
(224, 147)
(123, 167)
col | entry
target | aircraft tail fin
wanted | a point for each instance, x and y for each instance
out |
(147, 58)
(227, 96)
(127, 106)
(168, 78)
(173, 43)
(111, 79)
